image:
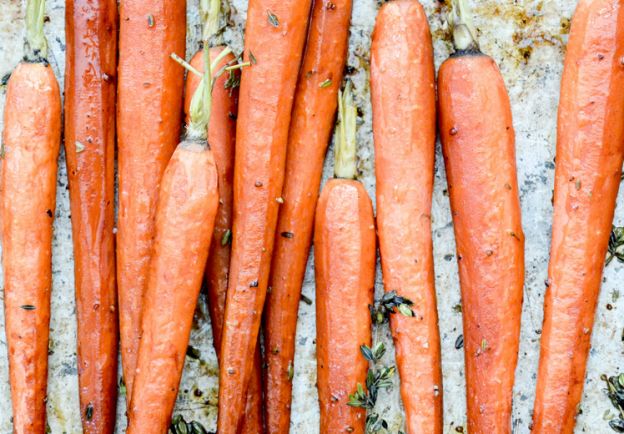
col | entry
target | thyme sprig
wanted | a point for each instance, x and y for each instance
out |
(181, 426)
(616, 245)
(388, 304)
(615, 392)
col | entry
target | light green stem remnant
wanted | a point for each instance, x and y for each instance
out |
(35, 15)
(345, 165)
(464, 34)
(209, 11)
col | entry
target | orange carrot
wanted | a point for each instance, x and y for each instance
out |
(404, 124)
(590, 149)
(310, 128)
(148, 129)
(90, 152)
(479, 151)
(28, 167)
(274, 38)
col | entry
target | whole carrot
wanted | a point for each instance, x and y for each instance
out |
(90, 152)
(28, 167)
(148, 128)
(274, 37)
(222, 135)
(344, 258)
(312, 121)
(404, 125)
(186, 211)
(478, 145)
(590, 148)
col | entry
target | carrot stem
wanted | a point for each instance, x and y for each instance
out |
(35, 14)
(464, 34)
(210, 10)
(345, 165)
(186, 65)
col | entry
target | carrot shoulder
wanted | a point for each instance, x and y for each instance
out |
(310, 128)
(148, 127)
(274, 38)
(90, 152)
(590, 148)
(404, 125)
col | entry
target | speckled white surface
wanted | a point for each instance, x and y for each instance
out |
(527, 38)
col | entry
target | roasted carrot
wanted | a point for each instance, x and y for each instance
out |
(344, 258)
(590, 149)
(222, 132)
(274, 38)
(478, 144)
(187, 206)
(404, 126)
(28, 167)
(90, 71)
(312, 121)
(149, 114)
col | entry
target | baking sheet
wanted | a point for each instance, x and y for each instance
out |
(527, 38)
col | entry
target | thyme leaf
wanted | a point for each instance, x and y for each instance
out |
(388, 304)
(273, 19)
(616, 245)
(181, 426)
(615, 393)
(226, 238)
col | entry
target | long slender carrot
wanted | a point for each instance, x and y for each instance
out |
(310, 128)
(148, 126)
(479, 151)
(404, 125)
(185, 216)
(90, 152)
(30, 146)
(274, 38)
(344, 258)
(222, 131)
(590, 149)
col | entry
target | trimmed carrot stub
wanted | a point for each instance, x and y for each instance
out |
(404, 125)
(310, 129)
(222, 135)
(274, 38)
(185, 216)
(344, 258)
(28, 167)
(479, 151)
(590, 149)
(148, 127)
(90, 152)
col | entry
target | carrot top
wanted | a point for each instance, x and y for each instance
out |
(464, 34)
(345, 164)
(36, 41)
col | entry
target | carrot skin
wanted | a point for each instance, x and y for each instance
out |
(187, 206)
(344, 258)
(28, 168)
(90, 153)
(311, 125)
(149, 115)
(222, 138)
(266, 96)
(478, 145)
(404, 125)
(590, 149)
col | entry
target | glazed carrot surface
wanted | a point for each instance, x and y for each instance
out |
(404, 125)
(590, 148)
(91, 67)
(149, 115)
(310, 128)
(274, 38)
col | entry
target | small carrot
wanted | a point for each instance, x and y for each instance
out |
(149, 112)
(274, 38)
(28, 168)
(344, 258)
(404, 125)
(90, 152)
(477, 134)
(590, 150)
(312, 121)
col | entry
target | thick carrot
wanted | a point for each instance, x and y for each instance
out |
(590, 149)
(310, 128)
(479, 151)
(404, 125)
(28, 167)
(90, 152)
(274, 38)
(148, 126)
(222, 131)
(344, 258)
